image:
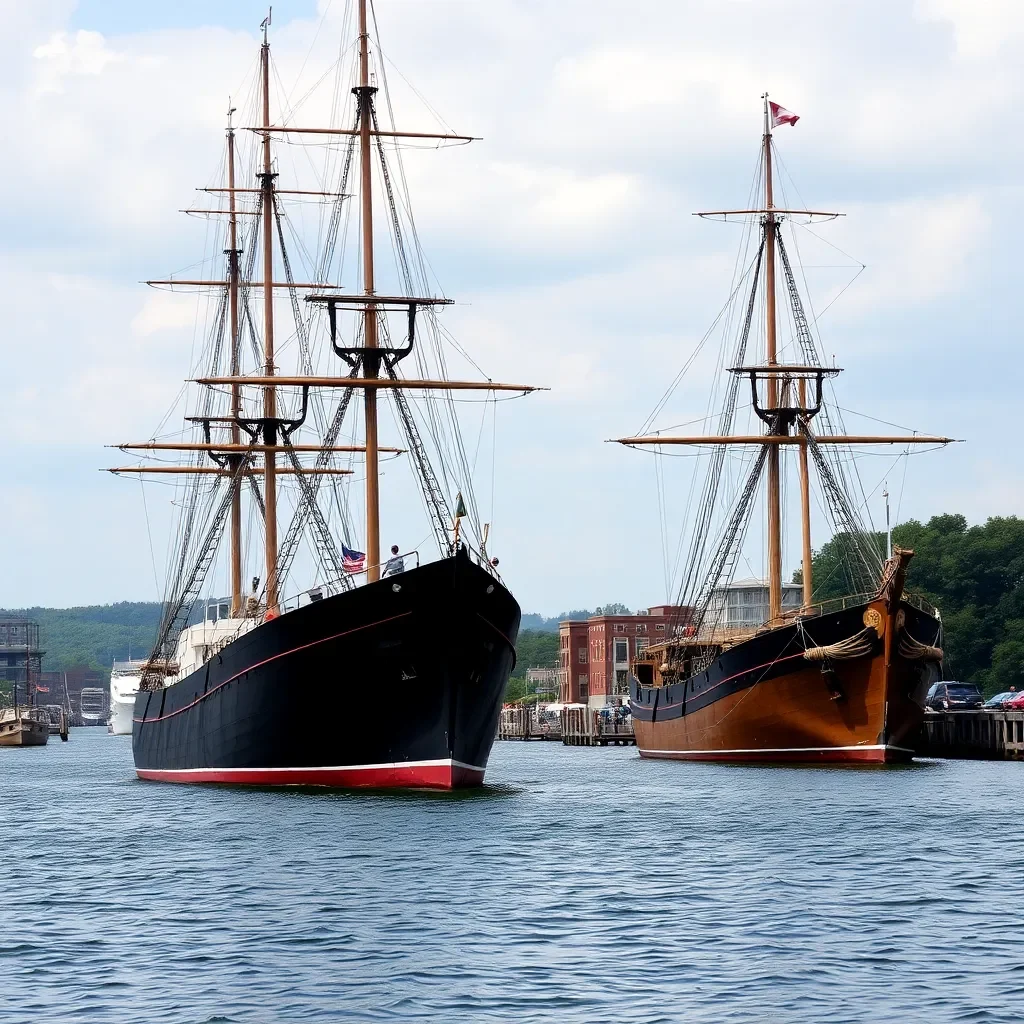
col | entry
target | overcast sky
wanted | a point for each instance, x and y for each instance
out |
(565, 235)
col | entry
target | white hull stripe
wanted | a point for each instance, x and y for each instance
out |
(440, 762)
(784, 750)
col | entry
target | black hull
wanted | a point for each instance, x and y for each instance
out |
(397, 683)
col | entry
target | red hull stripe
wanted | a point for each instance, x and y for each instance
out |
(440, 774)
(267, 661)
(873, 753)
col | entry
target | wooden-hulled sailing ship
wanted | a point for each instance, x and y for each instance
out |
(24, 722)
(373, 676)
(842, 680)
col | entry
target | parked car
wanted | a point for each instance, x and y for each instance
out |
(954, 696)
(1016, 703)
(999, 701)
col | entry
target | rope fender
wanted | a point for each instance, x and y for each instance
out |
(856, 646)
(914, 650)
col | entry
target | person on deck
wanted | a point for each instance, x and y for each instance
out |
(395, 563)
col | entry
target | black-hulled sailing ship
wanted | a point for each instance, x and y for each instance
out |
(812, 679)
(372, 676)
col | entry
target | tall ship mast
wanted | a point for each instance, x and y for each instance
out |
(809, 679)
(378, 670)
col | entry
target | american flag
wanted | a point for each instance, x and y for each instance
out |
(352, 561)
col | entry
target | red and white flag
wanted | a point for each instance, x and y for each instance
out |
(780, 115)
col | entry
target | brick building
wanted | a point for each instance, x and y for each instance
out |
(594, 654)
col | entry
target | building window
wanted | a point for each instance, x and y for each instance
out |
(621, 683)
(584, 687)
(641, 627)
(641, 645)
(620, 627)
(660, 627)
(583, 655)
(621, 651)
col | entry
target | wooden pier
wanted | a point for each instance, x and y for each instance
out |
(584, 727)
(523, 722)
(973, 735)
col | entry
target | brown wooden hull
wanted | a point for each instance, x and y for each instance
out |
(763, 700)
(23, 731)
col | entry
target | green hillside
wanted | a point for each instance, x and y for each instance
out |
(94, 635)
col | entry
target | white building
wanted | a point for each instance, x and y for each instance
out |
(744, 603)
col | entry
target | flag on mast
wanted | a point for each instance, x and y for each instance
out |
(352, 561)
(460, 507)
(780, 115)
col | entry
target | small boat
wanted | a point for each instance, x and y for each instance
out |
(59, 719)
(24, 726)
(92, 705)
(817, 675)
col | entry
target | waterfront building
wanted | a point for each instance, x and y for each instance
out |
(745, 603)
(594, 654)
(542, 681)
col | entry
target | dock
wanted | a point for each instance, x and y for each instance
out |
(973, 735)
(585, 727)
(522, 722)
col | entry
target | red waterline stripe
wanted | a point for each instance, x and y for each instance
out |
(728, 679)
(875, 754)
(429, 776)
(267, 661)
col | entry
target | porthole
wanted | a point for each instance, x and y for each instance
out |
(490, 589)
(396, 587)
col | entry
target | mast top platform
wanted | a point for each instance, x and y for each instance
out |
(787, 370)
(380, 300)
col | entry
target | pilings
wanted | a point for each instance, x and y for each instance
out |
(584, 727)
(974, 735)
(525, 722)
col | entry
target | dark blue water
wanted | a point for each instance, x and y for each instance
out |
(582, 885)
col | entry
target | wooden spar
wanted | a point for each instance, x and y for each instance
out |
(281, 192)
(370, 363)
(230, 213)
(372, 133)
(216, 470)
(236, 390)
(805, 502)
(248, 284)
(774, 490)
(186, 446)
(777, 439)
(269, 394)
(774, 210)
(371, 383)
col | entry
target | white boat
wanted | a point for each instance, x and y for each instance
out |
(124, 684)
(92, 705)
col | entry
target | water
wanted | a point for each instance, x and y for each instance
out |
(581, 885)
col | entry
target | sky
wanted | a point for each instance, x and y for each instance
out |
(565, 236)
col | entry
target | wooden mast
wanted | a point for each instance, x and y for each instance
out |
(774, 501)
(805, 501)
(236, 391)
(370, 362)
(269, 394)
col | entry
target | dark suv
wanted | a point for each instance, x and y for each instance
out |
(954, 697)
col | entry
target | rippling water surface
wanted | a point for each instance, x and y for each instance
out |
(580, 885)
